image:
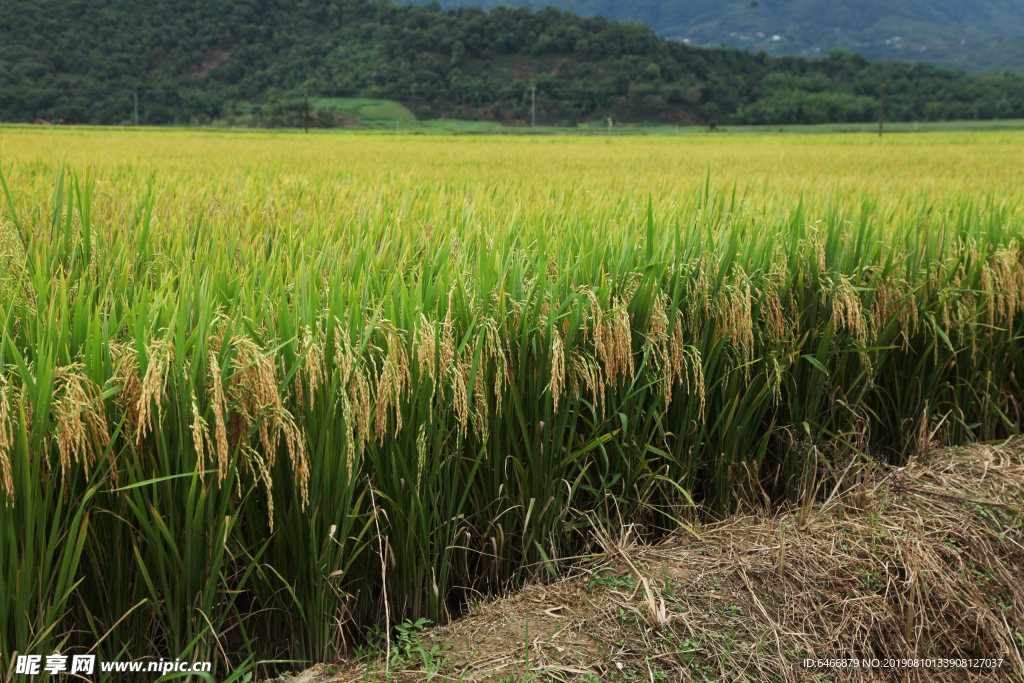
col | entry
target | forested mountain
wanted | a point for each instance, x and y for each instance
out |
(250, 61)
(978, 36)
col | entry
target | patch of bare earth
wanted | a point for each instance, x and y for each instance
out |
(923, 562)
(211, 62)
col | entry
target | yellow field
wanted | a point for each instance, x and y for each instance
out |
(937, 163)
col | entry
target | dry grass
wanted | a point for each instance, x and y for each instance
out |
(922, 561)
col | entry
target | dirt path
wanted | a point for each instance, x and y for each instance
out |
(924, 562)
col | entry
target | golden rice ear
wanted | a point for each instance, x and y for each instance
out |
(1006, 277)
(295, 444)
(986, 288)
(619, 350)
(576, 370)
(688, 368)
(344, 359)
(678, 353)
(426, 347)
(657, 346)
(300, 393)
(775, 319)
(700, 297)
(160, 355)
(494, 350)
(361, 402)
(459, 373)
(735, 312)
(848, 314)
(384, 397)
(697, 367)
(96, 416)
(6, 441)
(81, 423)
(882, 306)
(350, 437)
(598, 385)
(259, 469)
(600, 331)
(586, 379)
(394, 381)
(481, 413)
(421, 453)
(200, 437)
(125, 360)
(353, 389)
(311, 347)
(13, 266)
(818, 245)
(557, 369)
(220, 409)
(446, 348)
(70, 431)
(624, 340)
(401, 363)
(316, 368)
(254, 390)
(893, 299)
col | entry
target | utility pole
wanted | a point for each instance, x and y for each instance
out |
(881, 111)
(533, 108)
(135, 93)
(305, 101)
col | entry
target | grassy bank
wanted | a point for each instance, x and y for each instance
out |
(260, 392)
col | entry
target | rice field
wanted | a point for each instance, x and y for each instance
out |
(263, 392)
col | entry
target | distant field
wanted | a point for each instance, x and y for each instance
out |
(382, 115)
(959, 161)
(258, 387)
(369, 111)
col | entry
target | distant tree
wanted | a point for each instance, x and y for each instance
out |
(82, 63)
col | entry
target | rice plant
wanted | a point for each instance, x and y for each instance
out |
(250, 407)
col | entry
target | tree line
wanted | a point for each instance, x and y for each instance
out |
(249, 61)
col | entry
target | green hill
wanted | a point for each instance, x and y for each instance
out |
(982, 35)
(251, 62)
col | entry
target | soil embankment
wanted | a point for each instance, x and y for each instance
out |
(923, 562)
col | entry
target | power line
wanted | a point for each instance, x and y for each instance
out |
(881, 110)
